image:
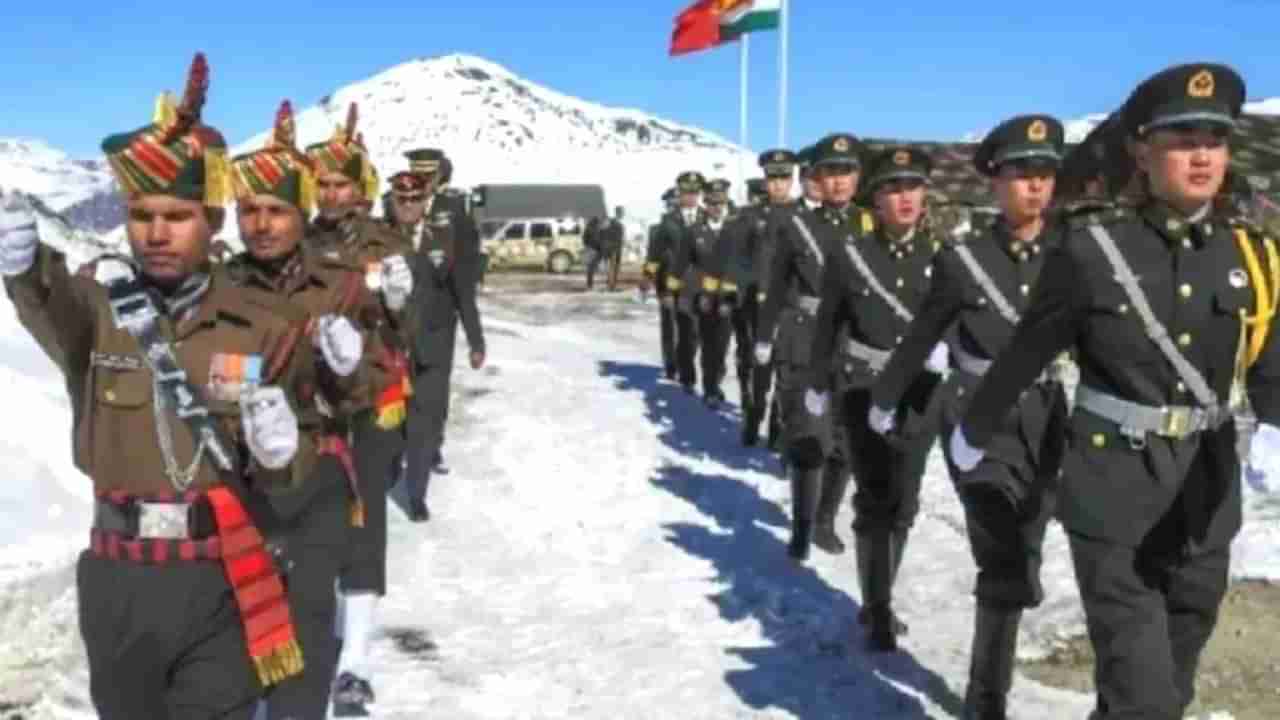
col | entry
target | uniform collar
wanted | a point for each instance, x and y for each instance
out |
(1178, 229)
(288, 275)
(1017, 249)
(901, 248)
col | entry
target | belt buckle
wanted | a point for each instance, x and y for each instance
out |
(168, 521)
(1176, 421)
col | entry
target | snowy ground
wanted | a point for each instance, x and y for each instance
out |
(604, 548)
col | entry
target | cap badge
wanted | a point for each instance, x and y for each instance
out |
(841, 144)
(902, 158)
(1201, 85)
(1037, 131)
(779, 157)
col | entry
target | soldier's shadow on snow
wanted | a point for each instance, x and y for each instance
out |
(688, 426)
(813, 665)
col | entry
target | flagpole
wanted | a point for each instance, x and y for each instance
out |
(783, 29)
(743, 56)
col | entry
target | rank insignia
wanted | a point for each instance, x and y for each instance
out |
(231, 374)
(1201, 85)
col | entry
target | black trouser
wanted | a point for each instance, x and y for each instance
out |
(667, 328)
(424, 431)
(615, 266)
(888, 476)
(686, 348)
(314, 548)
(377, 458)
(713, 337)
(1150, 610)
(806, 439)
(597, 256)
(164, 642)
(742, 319)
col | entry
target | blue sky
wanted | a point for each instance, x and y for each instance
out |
(75, 71)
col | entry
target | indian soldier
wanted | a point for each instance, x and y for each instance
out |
(446, 255)
(344, 178)
(275, 190)
(613, 237)
(981, 288)
(1161, 305)
(792, 287)
(186, 392)
(657, 262)
(704, 275)
(676, 238)
(746, 251)
(874, 284)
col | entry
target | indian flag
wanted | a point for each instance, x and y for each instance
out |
(739, 17)
(708, 23)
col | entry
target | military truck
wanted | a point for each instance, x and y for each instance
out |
(535, 226)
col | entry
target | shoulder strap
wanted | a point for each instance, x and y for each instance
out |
(873, 282)
(808, 238)
(980, 275)
(135, 311)
(1154, 329)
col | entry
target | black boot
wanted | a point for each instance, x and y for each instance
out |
(835, 480)
(995, 643)
(804, 503)
(875, 568)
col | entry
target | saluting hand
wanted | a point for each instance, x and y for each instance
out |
(397, 282)
(339, 342)
(270, 427)
(19, 237)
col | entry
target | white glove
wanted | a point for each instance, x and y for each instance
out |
(764, 353)
(965, 456)
(938, 361)
(270, 427)
(1263, 471)
(19, 237)
(339, 342)
(880, 420)
(397, 282)
(816, 402)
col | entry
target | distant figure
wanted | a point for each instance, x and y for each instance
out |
(591, 241)
(612, 237)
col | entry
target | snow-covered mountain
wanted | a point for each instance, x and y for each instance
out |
(500, 128)
(62, 182)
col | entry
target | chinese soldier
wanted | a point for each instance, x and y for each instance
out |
(1167, 307)
(657, 263)
(793, 286)
(713, 312)
(981, 289)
